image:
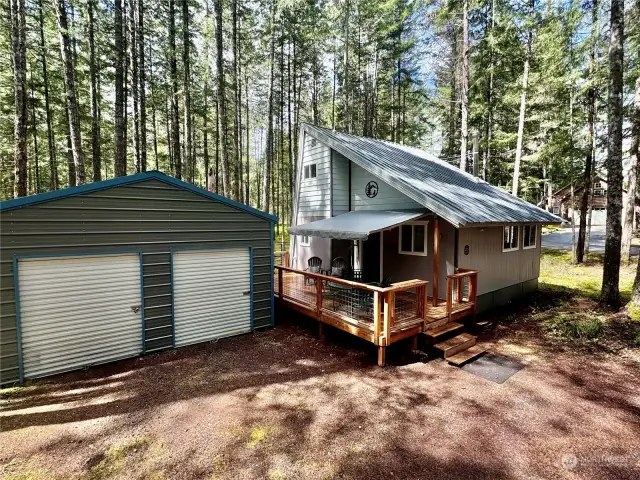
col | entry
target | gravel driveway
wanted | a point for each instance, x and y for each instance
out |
(282, 404)
(561, 239)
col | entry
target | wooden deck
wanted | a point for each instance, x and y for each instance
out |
(379, 315)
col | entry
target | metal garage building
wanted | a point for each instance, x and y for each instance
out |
(126, 266)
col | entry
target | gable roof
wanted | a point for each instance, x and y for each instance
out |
(128, 180)
(456, 196)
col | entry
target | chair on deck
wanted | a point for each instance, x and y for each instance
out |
(314, 265)
(340, 268)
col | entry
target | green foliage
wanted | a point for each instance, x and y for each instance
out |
(574, 326)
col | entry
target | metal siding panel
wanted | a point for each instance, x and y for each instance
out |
(76, 311)
(208, 294)
(90, 226)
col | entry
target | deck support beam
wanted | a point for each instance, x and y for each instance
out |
(436, 260)
(382, 356)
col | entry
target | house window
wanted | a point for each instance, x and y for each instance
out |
(310, 171)
(413, 238)
(510, 238)
(305, 240)
(599, 190)
(556, 210)
(529, 236)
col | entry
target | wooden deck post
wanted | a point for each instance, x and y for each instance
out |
(382, 354)
(459, 285)
(318, 295)
(436, 260)
(449, 295)
(376, 317)
(280, 274)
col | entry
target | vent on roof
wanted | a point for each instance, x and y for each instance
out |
(314, 142)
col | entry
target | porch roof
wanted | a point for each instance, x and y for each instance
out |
(356, 225)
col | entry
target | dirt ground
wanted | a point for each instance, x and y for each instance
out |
(282, 404)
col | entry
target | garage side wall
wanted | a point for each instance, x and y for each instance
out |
(151, 216)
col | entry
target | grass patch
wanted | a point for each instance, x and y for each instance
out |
(10, 391)
(32, 474)
(574, 326)
(113, 461)
(559, 276)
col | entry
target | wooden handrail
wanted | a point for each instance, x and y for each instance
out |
(364, 286)
(458, 277)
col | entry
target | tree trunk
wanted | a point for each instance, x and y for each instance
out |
(523, 104)
(175, 114)
(53, 166)
(95, 118)
(120, 162)
(246, 100)
(269, 154)
(236, 125)
(635, 165)
(453, 98)
(133, 58)
(186, 60)
(34, 131)
(486, 164)
(205, 135)
(19, 52)
(142, 89)
(289, 126)
(464, 129)
(70, 87)
(591, 119)
(611, 273)
(222, 104)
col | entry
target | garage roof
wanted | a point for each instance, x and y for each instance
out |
(456, 196)
(139, 177)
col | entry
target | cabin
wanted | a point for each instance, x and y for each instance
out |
(124, 267)
(423, 243)
(562, 206)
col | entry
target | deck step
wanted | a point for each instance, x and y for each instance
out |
(443, 329)
(429, 325)
(463, 357)
(456, 344)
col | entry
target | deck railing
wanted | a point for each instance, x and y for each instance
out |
(462, 289)
(374, 312)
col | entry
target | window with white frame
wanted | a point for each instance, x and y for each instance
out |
(413, 238)
(310, 171)
(529, 236)
(305, 240)
(511, 235)
(599, 190)
(556, 210)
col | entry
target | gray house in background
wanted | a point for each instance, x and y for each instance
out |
(126, 266)
(399, 212)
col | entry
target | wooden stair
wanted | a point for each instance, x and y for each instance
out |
(442, 330)
(465, 356)
(456, 344)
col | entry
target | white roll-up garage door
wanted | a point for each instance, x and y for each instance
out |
(211, 294)
(78, 311)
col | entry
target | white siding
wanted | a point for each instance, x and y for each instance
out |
(339, 183)
(211, 291)
(79, 311)
(314, 198)
(388, 198)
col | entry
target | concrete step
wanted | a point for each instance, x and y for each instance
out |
(456, 344)
(465, 356)
(443, 329)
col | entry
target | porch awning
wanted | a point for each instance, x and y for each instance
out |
(356, 225)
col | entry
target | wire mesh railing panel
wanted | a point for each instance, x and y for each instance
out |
(406, 307)
(300, 288)
(349, 301)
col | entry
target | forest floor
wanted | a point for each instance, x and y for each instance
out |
(281, 404)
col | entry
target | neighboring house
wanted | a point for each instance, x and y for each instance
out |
(126, 266)
(561, 202)
(378, 205)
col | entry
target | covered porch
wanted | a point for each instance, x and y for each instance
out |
(389, 296)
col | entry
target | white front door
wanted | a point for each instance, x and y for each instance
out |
(211, 294)
(78, 311)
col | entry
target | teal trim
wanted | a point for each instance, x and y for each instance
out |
(16, 292)
(273, 319)
(139, 177)
(16, 288)
(172, 250)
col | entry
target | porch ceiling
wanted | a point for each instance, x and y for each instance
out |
(356, 225)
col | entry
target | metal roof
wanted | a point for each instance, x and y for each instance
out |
(129, 179)
(456, 196)
(355, 225)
